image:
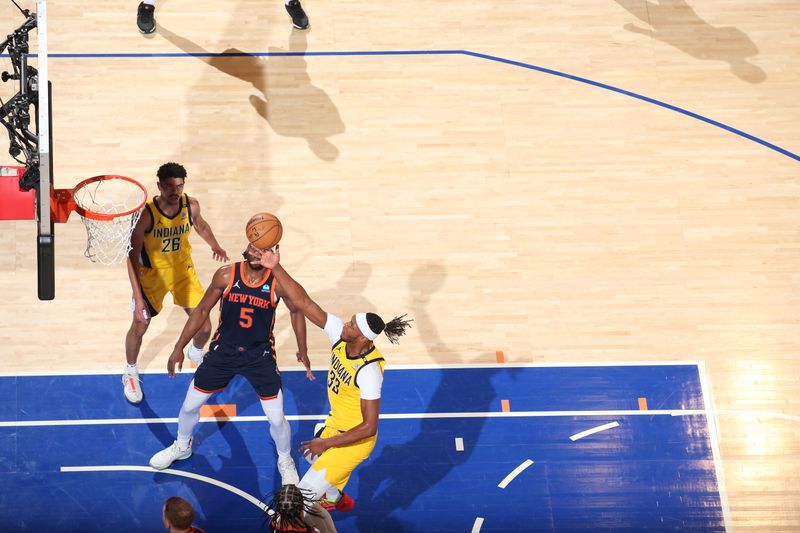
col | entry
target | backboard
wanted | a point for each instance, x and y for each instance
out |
(45, 231)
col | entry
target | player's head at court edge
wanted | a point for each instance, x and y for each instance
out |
(177, 516)
(293, 509)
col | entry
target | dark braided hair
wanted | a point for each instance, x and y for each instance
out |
(287, 508)
(393, 329)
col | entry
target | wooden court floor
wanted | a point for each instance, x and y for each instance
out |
(506, 208)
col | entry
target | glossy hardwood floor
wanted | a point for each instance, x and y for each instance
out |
(503, 207)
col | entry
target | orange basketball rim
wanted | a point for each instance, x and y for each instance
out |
(62, 201)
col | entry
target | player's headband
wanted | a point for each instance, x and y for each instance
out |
(363, 325)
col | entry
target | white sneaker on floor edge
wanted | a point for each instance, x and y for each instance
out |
(167, 456)
(288, 472)
(132, 386)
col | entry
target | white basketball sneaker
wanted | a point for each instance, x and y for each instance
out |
(288, 472)
(195, 355)
(167, 456)
(132, 386)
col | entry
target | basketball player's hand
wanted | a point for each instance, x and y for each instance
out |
(220, 254)
(303, 358)
(175, 359)
(140, 313)
(311, 449)
(269, 258)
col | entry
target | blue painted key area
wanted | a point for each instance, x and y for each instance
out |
(654, 472)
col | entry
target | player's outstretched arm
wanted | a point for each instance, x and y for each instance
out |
(204, 230)
(199, 315)
(293, 290)
(299, 326)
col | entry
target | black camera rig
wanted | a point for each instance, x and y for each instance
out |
(15, 114)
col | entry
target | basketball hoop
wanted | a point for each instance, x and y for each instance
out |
(110, 207)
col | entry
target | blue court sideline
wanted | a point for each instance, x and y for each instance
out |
(445, 445)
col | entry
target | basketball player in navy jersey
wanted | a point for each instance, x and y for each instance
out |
(243, 344)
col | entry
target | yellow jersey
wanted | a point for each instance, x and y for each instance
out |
(343, 393)
(166, 243)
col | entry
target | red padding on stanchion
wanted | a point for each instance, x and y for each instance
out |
(15, 204)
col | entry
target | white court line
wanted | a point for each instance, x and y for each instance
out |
(598, 429)
(123, 421)
(397, 416)
(109, 372)
(459, 444)
(476, 527)
(514, 473)
(711, 421)
(524, 414)
(570, 364)
(116, 468)
(292, 368)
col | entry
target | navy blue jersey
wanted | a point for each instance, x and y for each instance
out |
(247, 312)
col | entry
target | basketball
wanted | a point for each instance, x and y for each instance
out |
(264, 230)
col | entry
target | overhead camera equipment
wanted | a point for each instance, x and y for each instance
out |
(15, 114)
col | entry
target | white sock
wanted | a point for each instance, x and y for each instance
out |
(190, 414)
(315, 484)
(150, 2)
(278, 426)
(131, 369)
(286, 2)
(194, 352)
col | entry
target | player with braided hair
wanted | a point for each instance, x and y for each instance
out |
(292, 510)
(355, 378)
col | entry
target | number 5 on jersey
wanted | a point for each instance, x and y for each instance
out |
(246, 317)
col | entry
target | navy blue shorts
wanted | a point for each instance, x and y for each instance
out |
(221, 363)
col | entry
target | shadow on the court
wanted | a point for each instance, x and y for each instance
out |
(152, 344)
(160, 431)
(674, 22)
(290, 103)
(346, 298)
(399, 475)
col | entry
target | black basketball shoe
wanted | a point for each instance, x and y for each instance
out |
(299, 18)
(145, 18)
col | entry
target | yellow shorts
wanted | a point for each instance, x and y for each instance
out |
(340, 462)
(180, 280)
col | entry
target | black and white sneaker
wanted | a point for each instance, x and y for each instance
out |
(299, 18)
(145, 18)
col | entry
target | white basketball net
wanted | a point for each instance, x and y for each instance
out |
(109, 241)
